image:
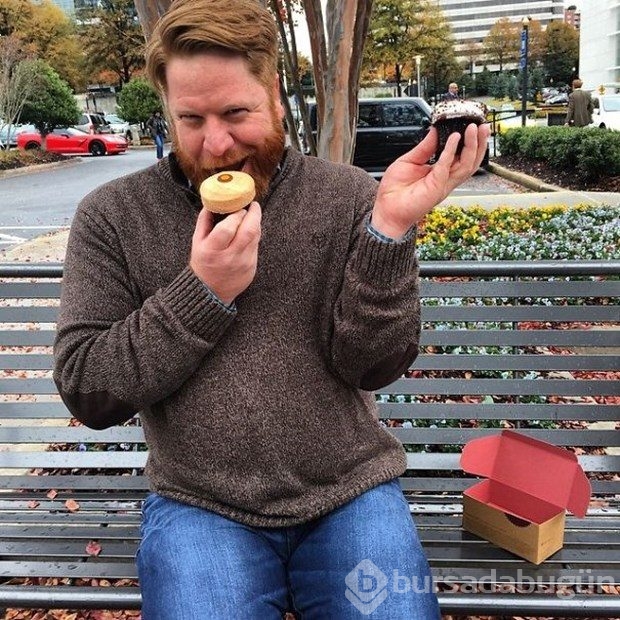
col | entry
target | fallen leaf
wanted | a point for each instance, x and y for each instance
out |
(33, 504)
(71, 505)
(93, 548)
(51, 494)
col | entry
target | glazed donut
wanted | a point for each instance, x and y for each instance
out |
(227, 192)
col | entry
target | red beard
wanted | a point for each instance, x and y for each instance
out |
(261, 161)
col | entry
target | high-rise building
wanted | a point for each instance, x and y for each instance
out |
(71, 6)
(599, 44)
(471, 20)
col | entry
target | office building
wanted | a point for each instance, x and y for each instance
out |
(599, 44)
(471, 20)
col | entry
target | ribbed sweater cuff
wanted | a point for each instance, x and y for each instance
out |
(378, 260)
(196, 307)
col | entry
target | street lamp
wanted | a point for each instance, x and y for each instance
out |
(418, 58)
(523, 65)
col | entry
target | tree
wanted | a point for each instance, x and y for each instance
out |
(401, 29)
(473, 52)
(337, 41)
(499, 85)
(501, 45)
(112, 38)
(46, 33)
(561, 54)
(137, 101)
(51, 104)
(16, 79)
(483, 81)
(535, 42)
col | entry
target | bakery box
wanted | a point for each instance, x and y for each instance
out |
(529, 485)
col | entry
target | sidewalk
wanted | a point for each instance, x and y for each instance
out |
(51, 247)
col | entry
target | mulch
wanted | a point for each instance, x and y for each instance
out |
(563, 178)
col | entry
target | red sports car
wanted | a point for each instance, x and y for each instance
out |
(68, 140)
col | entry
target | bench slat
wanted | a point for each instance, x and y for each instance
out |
(531, 337)
(460, 436)
(504, 314)
(30, 290)
(27, 338)
(28, 314)
(73, 460)
(544, 289)
(503, 387)
(523, 362)
(568, 339)
(450, 461)
(71, 434)
(424, 361)
(507, 387)
(498, 411)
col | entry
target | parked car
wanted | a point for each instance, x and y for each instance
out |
(8, 141)
(386, 129)
(561, 99)
(606, 112)
(72, 141)
(118, 125)
(93, 122)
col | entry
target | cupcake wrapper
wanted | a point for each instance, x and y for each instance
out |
(448, 126)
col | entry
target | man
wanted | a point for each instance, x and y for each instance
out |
(580, 106)
(159, 130)
(453, 92)
(251, 346)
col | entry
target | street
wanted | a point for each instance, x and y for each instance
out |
(36, 203)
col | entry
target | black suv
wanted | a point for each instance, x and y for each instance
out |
(387, 127)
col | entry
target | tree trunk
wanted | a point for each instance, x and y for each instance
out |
(337, 67)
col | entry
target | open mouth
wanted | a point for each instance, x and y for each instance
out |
(236, 166)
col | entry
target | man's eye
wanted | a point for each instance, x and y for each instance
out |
(236, 111)
(190, 118)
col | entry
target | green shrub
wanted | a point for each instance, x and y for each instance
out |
(590, 153)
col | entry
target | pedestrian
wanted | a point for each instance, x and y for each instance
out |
(580, 106)
(251, 345)
(453, 92)
(158, 127)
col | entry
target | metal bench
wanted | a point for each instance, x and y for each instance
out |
(492, 336)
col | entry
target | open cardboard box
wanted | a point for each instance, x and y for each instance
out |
(530, 484)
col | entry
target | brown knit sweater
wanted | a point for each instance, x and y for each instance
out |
(262, 414)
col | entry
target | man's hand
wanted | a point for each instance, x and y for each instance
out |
(225, 256)
(411, 187)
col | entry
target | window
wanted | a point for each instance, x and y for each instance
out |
(369, 115)
(403, 115)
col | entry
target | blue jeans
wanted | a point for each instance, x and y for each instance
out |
(159, 143)
(363, 559)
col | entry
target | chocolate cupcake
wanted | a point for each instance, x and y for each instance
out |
(454, 116)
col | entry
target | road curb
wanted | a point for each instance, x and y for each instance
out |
(16, 172)
(532, 183)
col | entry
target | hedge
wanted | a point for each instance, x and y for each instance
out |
(591, 153)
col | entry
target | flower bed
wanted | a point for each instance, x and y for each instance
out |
(539, 233)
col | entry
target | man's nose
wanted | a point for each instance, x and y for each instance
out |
(217, 138)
